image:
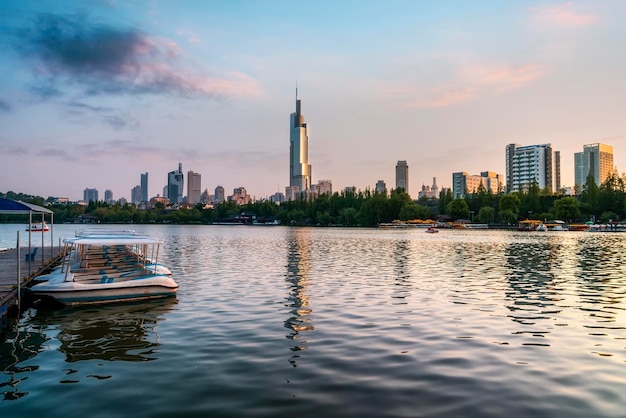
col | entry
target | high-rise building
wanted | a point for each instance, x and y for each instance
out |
(595, 160)
(193, 187)
(402, 175)
(219, 194)
(240, 196)
(323, 187)
(299, 167)
(108, 196)
(175, 183)
(136, 194)
(532, 164)
(463, 183)
(144, 187)
(381, 187)
(90, 195)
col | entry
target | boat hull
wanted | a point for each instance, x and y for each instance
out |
(71, 293)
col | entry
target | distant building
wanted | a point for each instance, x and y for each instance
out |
(90, 195)
(165, 192)
(402, 175)
(323, 187)
(463, 183)
(205, 197)
(292, 192)
(108, 196)
(240, 196)
(144, 187)
(193, 187)
(299, 167)
(349, 189)
(429, 192)
(219, 194)
(277, 197)
(60, 201)
(532, 164)
(381, 187)
(175, 183)
(595, 160)
(136, 195)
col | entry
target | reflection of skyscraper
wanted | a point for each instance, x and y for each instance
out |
(299, 167)
(597, 160)
(144, 187)
(298, 258)
(175, 182)
(402, 176)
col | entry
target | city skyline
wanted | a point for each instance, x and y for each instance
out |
(93, 95)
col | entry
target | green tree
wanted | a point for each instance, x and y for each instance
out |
(414, 211)
(458, 209)
(507, 216)
(509, 202)
(567, 208)
(486, 214)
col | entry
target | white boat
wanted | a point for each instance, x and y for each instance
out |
(108, 267)
(38, 227)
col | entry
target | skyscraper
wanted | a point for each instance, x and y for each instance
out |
(144, 187)
(90, 195)
(299, 167)
(135, 194)
(402, 176)
(193, 187)
(219, 194)
(175, 183)
(597, 160)
(532, 163)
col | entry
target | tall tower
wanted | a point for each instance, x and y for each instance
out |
(144, 187)
(597, 160)
(193, 187)
(175, 183)
(299, 167)
(402, 176)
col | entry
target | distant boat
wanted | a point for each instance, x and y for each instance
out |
(38, 227)
(431, 230)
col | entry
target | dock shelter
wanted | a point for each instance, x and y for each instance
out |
(16, 263)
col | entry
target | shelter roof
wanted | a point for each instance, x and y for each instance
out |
(19, 207)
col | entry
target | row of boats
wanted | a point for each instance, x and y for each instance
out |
(107, 266)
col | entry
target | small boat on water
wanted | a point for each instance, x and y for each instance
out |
(431, 230)
(106, 266)
(38, 227)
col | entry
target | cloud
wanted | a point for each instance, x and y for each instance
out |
(102, 59)
(4, 106)
(470, 82)
(562, 15)
(442, 97)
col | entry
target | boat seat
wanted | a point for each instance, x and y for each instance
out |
(31, 256)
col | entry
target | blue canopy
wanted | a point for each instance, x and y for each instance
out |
(19, 207)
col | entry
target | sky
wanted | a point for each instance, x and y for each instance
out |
(94, 93)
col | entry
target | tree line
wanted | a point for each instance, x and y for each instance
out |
(366, 208)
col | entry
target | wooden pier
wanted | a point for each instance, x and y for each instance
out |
(28, 269)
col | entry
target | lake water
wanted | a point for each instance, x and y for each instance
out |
(325, 322)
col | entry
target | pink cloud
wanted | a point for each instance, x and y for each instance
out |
(502, 77)
(443, 97)
(563, 15)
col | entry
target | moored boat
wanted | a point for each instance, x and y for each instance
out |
(38, 227)
(108, 267)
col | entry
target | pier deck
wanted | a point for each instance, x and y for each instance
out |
(28, 270)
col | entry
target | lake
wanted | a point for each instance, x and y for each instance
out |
(329, 322)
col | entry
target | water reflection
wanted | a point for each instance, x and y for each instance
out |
(121, 332)
(17, 348)
(298, 266)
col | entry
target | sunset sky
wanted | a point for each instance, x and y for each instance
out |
(94, 93)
